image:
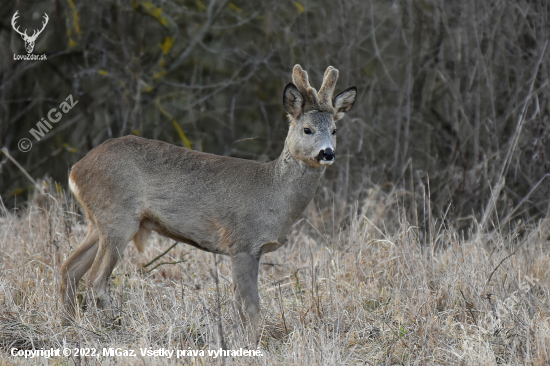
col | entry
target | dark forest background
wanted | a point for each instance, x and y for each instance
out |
(453, 104)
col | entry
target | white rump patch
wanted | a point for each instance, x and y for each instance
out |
(72, 186)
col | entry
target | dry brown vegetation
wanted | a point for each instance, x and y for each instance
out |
(370, 292)
(427, 241)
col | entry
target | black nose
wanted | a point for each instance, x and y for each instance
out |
(328, 154)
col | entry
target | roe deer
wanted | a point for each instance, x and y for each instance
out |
(130, 186)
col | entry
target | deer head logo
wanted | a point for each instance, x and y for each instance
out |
(29, 40)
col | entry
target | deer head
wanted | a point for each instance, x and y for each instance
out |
(313, 116)
(29, 40)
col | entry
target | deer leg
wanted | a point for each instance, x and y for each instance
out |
(111, 248)
(74, 268)
(245, 289)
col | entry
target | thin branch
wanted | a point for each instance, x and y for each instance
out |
(494, 270)
(509, 217)
(160, 255)
(506, 164)
(198, 38)
(163, 263)
(469, 307)
(5, 151)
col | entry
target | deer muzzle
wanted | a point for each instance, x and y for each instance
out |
(326, 156)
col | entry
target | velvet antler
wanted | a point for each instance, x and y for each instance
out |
(321, 101)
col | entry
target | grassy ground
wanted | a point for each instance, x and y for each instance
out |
(371, 293)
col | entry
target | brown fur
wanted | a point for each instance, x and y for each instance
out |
(131, 186)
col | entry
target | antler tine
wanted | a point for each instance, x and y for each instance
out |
(326, 72)
(43, 25)
(46, 18)
(327, 89)
(15, 16)
(301, 80)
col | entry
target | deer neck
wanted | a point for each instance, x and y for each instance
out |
(296, 180)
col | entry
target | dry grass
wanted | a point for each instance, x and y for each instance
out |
(369, 294)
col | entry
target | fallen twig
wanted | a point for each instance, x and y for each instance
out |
(163, 263)
(160, 255)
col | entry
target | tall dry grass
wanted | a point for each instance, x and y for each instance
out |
(365, 290)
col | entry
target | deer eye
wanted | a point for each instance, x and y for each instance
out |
(307, 131)
(334, 131)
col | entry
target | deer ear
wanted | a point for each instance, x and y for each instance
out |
(343, 102)
(293, 100)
